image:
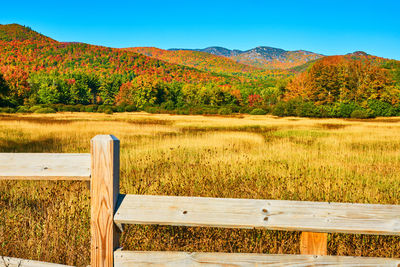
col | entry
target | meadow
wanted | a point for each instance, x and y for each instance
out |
(240, 156)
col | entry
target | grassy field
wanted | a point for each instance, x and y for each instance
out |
(241, 157)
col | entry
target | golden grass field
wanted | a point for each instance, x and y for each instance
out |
(239, 156)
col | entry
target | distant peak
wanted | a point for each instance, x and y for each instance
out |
(358, 53)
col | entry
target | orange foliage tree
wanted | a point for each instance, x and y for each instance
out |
(342, 79)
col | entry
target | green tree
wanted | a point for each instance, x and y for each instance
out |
(4, 89)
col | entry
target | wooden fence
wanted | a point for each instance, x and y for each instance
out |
(111, 210)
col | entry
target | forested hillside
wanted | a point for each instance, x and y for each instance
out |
(199, 60)
(39, 74)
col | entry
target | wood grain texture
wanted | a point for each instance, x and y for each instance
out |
(170, 259)
(314, 243)
(15, 262)
(104, 193)
(253, 213)
(44, 166)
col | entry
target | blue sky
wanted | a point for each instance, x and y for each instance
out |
(325, 26)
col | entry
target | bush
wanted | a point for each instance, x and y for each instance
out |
(69, 108)
(152, 110)
(208, 111)
(169, 105)
(198, 111)
(224, 111)
(108, 110)
(7, 110)
(258, 111)
(23, 109)
(130, 108)
(244, 110)
(90, 108)
(380, 108)
(307, 109)
(34, 108)
(360, 114)
(234, 108)
(57, 107)
(326, 111)
(182, 112)
(346, 109)
(45, 110)
(120, 107)
(279, 109)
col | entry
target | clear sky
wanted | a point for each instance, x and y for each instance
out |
(325, 26)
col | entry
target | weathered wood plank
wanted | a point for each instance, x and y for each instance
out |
(44, 166)
(253, 213)
(104, 194)
(169, 259)
(15, 262)
(314, 243)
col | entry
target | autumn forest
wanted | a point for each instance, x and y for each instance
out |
(41, 75)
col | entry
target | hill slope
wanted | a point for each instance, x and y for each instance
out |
(16, 32)
(24, 48)
(28, 58)
(196, 59)
(263, 56)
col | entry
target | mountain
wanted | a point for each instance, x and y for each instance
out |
(32, 63)
(196, 59)
(215, 50)
(16, 32)
(25, 49)
(357, 55)
(263, 56)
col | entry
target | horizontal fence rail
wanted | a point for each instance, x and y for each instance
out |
(203, 259)
(44, 166)
(255, 213)
(15, 262)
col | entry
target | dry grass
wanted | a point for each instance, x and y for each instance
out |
(243, 157)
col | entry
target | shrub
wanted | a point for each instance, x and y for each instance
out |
(69, 108)
(346, 109)
(307, 109)
(23, 109)
(198, 111)
(7, 110)
(90, 108)
(234, 108)
(152, 110)
(208, 110)
(244, 110)
(58, 107)
(108, 110)
(34, 108)
(182, 112)
(45, 110)
(224, 111)
(380, 108)
(120, 108)
(130, 108)
(258, 111)
(169, 105)
(279, 109)
(360, 114)
(326, 111)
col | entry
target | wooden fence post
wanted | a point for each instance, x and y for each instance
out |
(313, 243)
(104, 192)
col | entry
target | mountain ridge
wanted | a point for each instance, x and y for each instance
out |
(264, 57)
